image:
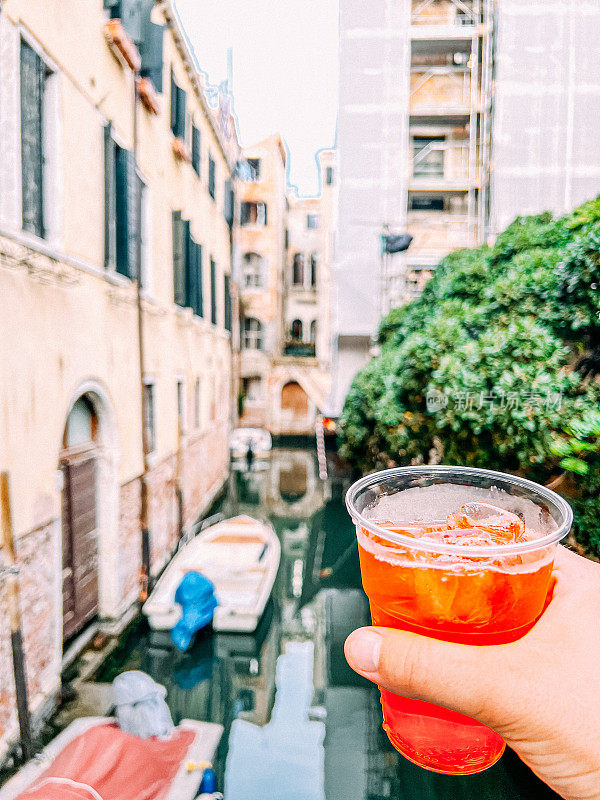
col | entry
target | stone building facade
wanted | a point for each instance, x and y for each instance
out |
(99, 185)
(285, 249)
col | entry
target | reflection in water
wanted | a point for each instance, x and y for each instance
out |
(317, 599)
(288, 751)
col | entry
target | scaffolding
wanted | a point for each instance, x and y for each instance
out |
(450, 100)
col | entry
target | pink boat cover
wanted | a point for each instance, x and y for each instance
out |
(106, 764)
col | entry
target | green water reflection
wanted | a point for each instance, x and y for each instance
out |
(317, 597)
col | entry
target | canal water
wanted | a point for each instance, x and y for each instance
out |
(326, 744)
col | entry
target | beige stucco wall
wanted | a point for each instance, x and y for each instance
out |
(68, 326)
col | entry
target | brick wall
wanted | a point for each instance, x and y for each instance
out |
(36, 557)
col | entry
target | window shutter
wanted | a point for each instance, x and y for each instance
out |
(227, 303)
(173, 104)
(33, 71)
(213, 292)
(189, 272)
(180, 125)
(131, 12)
(229, 202)
(196, 149)
(211, 177)
(178, 259)
(245, 216)
(199, 306)
(151, 52)
(122, 208)
(110, 213)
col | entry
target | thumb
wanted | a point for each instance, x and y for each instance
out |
(461, 677)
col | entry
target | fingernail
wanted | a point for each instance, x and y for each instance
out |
(364, 648)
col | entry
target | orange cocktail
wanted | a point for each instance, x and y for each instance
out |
(461, 555)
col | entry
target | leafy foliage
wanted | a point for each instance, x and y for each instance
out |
(507, 339)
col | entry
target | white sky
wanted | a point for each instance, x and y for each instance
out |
(284, 70)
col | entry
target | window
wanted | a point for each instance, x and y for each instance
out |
(149, 417)
(426, 203)
(313, 269)
(227, 302)
(296, 329)
(197, 399)
(298, 269)
(254, 214)
(151, 50)
(213, 292)
(312, 221)
(252, 270)
(253, 334)
(328, 176)
(313, 331)
(180, 405)
(212, 168)
(178, 103)
(228, 202)
(254, 165)
(187, 266)
(123, 197)
(252, 390)
(428, 156)
(196, 150)
(82, 424)
(34, 77)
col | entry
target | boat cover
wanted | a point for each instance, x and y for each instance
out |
(104, 763)
(140, 705)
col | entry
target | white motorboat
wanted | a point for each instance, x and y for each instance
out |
(93, 758)
(240, 556)
(244, 439)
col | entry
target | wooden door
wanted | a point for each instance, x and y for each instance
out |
(80, 543)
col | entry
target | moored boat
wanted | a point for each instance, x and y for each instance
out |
(244, 439)
(240, 556)
(93, 758)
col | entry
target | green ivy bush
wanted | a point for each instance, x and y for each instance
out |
(508, 339)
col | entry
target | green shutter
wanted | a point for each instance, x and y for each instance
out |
(227, 303)
(211, 176)
(130, 14)
(213, 292)
(196, 149)
(229, 202)
(181, 102)
(122, 212)
(110, 212)
(199, 307)
(173, 103)
(128, 214)
(151, 52)
(33, 73)
(178, 259)
(189, 277)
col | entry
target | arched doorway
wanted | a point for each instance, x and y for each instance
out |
(79, 466)
(295, 399)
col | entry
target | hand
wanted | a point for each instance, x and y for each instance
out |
(541, 693)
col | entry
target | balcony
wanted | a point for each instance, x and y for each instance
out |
(299, 349)
(440, 165)
(440, 91)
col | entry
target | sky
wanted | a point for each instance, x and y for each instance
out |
(284, 70)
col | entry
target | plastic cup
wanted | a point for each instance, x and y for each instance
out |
(486, 594)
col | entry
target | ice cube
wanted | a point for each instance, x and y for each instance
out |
(505, 526)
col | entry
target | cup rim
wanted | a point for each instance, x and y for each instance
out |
(458, 550)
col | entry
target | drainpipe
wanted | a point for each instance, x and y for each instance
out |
(144, 526)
